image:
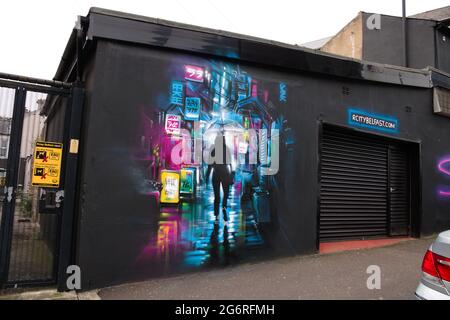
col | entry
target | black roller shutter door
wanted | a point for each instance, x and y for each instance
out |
(365, 187)
(354, 181)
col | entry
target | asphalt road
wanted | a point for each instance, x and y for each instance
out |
(331, 276)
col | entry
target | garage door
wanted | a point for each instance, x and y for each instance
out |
(364, 184)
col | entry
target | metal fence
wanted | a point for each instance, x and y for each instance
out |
(30, 215)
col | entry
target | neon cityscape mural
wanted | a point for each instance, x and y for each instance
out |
(206, 101)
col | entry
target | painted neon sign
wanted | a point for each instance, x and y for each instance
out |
(170, 192)
(173, 124)
(283, 92)
(187, 181)
(177, 93)
(194, 73)
(367, 120)
(192, 108)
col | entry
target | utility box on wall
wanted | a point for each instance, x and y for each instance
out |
(441, 101)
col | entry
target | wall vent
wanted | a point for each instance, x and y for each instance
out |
(441, 101)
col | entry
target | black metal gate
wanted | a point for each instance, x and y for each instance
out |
(364, 186)
(31, 111)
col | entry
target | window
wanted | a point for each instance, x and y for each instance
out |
(5, 126)
(4, 145)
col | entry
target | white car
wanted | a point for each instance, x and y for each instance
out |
(435, 282)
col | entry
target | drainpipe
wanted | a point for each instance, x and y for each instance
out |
(79, 45)
(405, 34)
(436, 46)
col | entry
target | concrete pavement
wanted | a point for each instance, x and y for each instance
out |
(46, 294)
(327, 276)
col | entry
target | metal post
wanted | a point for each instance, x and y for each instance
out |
(70, 186)
(7, 225)
(79, 46)
(405, 34)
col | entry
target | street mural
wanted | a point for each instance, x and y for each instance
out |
(211, 212)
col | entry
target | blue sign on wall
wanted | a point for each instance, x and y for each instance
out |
(373, 121)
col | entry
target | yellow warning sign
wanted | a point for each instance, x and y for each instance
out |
(47, 164)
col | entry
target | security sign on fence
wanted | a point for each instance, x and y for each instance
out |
(47, 164)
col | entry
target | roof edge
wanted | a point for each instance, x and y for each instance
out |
(108, 24)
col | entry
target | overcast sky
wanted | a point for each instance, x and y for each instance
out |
(34, 33)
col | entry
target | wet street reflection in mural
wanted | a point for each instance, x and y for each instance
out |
(190, 234)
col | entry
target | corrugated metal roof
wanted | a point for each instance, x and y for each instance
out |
(317, 44)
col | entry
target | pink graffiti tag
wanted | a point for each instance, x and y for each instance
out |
(447, 172)
(441, 166)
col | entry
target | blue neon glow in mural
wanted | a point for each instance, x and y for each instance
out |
(363, 119)
(283, 92)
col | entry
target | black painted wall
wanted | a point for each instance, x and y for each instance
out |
(116, 217)
(386, 45)
(443, 53)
